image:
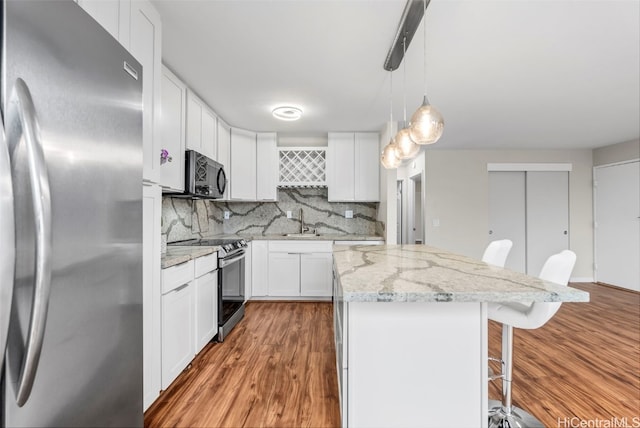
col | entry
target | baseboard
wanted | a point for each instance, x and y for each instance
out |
(582, 279)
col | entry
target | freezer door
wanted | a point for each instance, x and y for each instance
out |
(84, 366)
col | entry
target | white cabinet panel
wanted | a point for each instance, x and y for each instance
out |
(224, 151)
(353, 166)
(106, 13)
(367, 167)
(145, 44)
(340, 166)
(243, 165)
(248, 271)
(172, 127)
(260, 268)
(177, 332)
(209, 133)
(267, 166)
(284, 274)
(151, 298)
(194, 122)
(315, 274)
(206, 311)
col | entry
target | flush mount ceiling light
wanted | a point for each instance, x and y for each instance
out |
(287, 113)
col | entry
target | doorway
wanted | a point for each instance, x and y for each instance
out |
(399, 212)
(415, 210)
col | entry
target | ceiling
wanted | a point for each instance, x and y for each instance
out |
(504, 74)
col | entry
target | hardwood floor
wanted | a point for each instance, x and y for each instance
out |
(584, 363)
(277, 368)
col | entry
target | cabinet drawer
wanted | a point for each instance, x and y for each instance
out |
(206, 264)
(175, 276)
(300, 246)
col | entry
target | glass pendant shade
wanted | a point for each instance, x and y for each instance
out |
(426, 124)
(406, 148)
(389, 159)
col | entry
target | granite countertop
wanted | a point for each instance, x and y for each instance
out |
(311, 237)
(419, 273)
(176, 255)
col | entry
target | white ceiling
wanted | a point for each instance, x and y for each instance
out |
(504, 74)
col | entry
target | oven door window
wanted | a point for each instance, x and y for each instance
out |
(231, 289)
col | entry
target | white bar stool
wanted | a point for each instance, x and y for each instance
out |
(497, 252)
(556, 269)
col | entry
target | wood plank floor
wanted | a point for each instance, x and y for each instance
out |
(277, 368)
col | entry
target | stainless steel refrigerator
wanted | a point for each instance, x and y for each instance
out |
(70, 221)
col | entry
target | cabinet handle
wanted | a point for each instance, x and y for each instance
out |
(175, 290)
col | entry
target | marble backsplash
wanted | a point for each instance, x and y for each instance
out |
(187, 219)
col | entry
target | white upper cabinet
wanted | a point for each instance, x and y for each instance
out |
(243, 165)
(201, 126)
(113, 15)
(145, 44)
(172, 130)
(224, 151)
(352, 167)
(267, 166)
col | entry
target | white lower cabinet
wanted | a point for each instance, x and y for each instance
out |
(284, 274)
(189, 313)
(315, 274)
(259, 268)
(299, 269)
(178, 314)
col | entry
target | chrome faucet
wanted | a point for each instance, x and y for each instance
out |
(303, 228)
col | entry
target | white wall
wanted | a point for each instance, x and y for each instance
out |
(620, 152)
(456, 188)
(387, 208)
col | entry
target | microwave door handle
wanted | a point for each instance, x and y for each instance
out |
(7, 242)
(21, 121)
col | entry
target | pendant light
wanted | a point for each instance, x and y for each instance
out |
(426, 124)
(388, 158)
(406, 148)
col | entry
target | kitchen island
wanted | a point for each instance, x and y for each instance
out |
(411, 333)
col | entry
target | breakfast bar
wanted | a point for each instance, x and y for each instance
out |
(411, 332)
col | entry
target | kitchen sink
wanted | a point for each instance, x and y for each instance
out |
(300, 235)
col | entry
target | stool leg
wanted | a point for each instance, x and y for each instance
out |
(507, 357)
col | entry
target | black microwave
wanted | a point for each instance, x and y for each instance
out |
(204, 177)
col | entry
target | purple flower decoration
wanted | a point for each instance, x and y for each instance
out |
(164, 156)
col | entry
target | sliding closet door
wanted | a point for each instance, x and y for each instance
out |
(507, 214)
(547, 216)
(617, 216)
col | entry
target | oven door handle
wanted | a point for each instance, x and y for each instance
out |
(227, 262)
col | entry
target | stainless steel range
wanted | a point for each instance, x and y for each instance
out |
(230, 279)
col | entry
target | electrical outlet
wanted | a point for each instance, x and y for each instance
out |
(288, 214)
(348, 214)
(226, 215)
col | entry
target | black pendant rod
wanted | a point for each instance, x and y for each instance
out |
(409, 22)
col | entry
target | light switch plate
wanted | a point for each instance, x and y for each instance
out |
(288, 214)
(226, 215)
(348, 214)
(436, 222)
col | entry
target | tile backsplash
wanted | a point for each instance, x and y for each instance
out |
(187, 219)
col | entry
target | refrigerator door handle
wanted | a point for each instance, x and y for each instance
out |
(21, 121)
(7, 242)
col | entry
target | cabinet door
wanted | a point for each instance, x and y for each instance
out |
(367, 167)
(224, 151)
(340, 166)
(194, 123)
(260, 268)
(209, 139)
(151, 303)
(243, 165)
(315, 274)
(248, 269)
(267, 166)
(206, 298)
(172, 126)
(284, 274)
(145, 45)
(106, 13)
(177, 332)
